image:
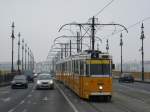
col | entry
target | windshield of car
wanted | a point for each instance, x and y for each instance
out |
(19, 78)
(126, 75)
(43, 77)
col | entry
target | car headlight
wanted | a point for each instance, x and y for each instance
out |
(38, 82)
(51, 81)
(100, 87)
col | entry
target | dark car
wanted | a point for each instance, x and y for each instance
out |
(30, 78)
(19, 81)
(44, 81)
(126, 77)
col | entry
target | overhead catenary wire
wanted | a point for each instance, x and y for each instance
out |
(99, 13)
(104, 8)
(130, 26)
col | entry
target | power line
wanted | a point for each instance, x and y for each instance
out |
(100, 12)
(145, 19)
(104, 8)
(131, 26)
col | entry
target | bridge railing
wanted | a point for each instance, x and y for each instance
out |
(136, 75)
(6, 77)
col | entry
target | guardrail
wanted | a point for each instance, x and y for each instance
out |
(6, 77)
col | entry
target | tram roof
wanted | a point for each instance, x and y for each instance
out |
(85, 55)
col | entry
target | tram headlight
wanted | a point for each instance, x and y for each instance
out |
(100, 87)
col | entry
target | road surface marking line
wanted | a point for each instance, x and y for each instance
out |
(29, 95)
(45, 98)
(22, 102)
(25, 110)
(32, 90)
(11, 110)
(6, 99)
(70, 103)
(4, 92)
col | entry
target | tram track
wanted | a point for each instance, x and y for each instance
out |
(123, 100)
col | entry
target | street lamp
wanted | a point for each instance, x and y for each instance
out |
(18, 62)
(13, 37)
(25, 55)
(22, 54)
(142, 50)
(28, 59)
(121, 44)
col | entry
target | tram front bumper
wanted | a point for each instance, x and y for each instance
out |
(100, 93)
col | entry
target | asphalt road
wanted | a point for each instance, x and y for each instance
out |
(127, 97)
(31, 100)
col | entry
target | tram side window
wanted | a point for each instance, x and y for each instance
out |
(57, 67)
(63, 67)
(76, 67)
(87, 69)
(66, 67)
(69, 67)
(81, 68)
(60, 67)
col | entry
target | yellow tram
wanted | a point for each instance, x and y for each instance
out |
(88, 74)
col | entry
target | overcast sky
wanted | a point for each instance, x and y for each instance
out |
(39, 21)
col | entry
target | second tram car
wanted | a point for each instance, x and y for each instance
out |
(88, 74)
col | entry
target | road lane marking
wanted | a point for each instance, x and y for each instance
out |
(25, 110)
(29, 95)
(6, 99)
(4, 92)
(32, 91)
(11, 110)
(34, 103)
(45, 98)
(70, 103)
(22, 102)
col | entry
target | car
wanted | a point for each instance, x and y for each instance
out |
(30, 78)
(44, 81)
(126, 77)
(19, 81)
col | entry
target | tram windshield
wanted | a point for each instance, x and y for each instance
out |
(98, 69)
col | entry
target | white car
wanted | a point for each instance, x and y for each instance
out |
(44, 81)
